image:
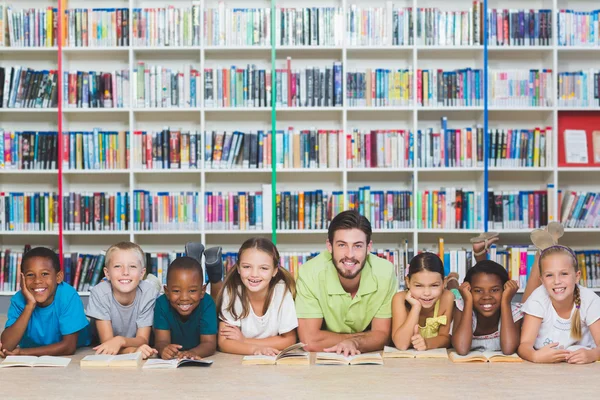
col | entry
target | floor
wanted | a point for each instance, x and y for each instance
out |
(228, 378)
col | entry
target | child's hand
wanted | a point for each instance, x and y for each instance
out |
(348, 347)
(417, 340)
(510, 289)
(411, 300)
(550, 354)
(581, 356)
(266, 351)
(465, 291)
(171, 351)
(232, 333)
(29, 299)
(111, 346)
(146, 351)
(188, 355)
(2, 351)
(15, 352)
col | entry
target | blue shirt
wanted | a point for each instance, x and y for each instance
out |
(48, 325)
(202, 321)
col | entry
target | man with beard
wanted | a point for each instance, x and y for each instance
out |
(344, 295)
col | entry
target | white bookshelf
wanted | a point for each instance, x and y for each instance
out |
(345, 118)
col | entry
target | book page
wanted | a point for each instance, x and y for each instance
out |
(52, 361)
(473, 355)
(98, 358)
(160, 363)
(126, 357)
(289, 349)
(576, 146)
(259, 357)
(394, 352)
(25, 360)
(433, 353)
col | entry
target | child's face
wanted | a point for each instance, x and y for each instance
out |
(124, 271)
(559, 276)
(256, 270)
(41, 279)
(184, 290)
(486, 290)
(427, 287)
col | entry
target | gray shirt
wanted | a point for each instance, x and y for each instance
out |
(125, 320)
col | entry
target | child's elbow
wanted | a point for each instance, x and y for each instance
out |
(69, 349)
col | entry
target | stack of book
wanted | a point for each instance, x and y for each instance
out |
(237, 87)
(579, 88)
(308, 148)
(579, 209)
(28, 150)
(35, 212)
(304, 210)
(235, 149)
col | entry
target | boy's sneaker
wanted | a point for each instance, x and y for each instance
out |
(213, 263)
(194, 250)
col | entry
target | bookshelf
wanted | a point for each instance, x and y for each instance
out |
(354, 57)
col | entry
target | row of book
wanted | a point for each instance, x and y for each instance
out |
(166, 26)
(579, 88)
(520, 147)
(235, 211)
(307, 148)
(224, 26)
(518, 27)
(520, 88)
(449, 208)
(303, 209)
(93, 89)
(170, 211)
(579, 209)
(384, 209)
(28, 211)
(236, 149)
(96, 211)
(525, 209)
(27, 88)
(458, 88)
(309, 26)
(162, 87)
(237, 87)
(28, 150)
(379, 87)
(96, 150)
(379, 148)
(96, 27)
(578, 28)
(170, 148)
(436, 27)
(30, 27)
(450, 147)
(379, 26)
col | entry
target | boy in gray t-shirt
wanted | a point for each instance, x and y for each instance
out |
(122, 308)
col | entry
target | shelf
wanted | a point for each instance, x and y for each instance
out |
(94, 233)
(577, 48)
(301, 231)
(6, 293)
(450, 108)
(520, 108)
(9, 49)
(237, 232)
(166, 171)
(582, 230)
(443, 231)
(68, 110)
(589, 108)
(168, 232)
(594, 169)
(389, 230)
(390, 48)
(307, 109)
(381, 108)
(449, 169)
(29, 233)
(28, 171)
(94, 171)
(166, 110)
(238, 170)
(521, 169)
(500, 49)
(95, 49)
(453, 47)
(166, 48)
(308, 48)
(308, 170)
(236, 48)
(369, 170)
(29, 110)
(238, 109)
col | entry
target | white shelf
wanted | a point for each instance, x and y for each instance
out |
(238, 232)
(68, 110)
(94, 233)
(500, 49)
(378, 170)
(28, 171)
(95, 49)
(301, 231)
(239, 170)
(521, 169)
(168, 232)
(449, 169)
(94, 171)
(450, 231)
(7, 293)
(579, 169)
(390, 48)
(165, 171)
(10, 49)
(28, 233)
(29, 110)
(166, 109)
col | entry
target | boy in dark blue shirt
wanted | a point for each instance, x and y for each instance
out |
(185, 317)
(46, 317)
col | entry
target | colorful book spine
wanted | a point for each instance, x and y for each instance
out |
(236, 149)
(83, 271)
(162, 87)
(96, 211)
(158, 264)
(379, 26)
(169, 211)
(380, 87)
(307, 210)
(579, 88)
(22, 87)
(450, 147)
(170, 148)
(28, 211)
(520, 147)
(309, 26)
(385, 209)
(514, 27)
(580, 209)
(95, 150)
(526, 209)
(589, 265)
(380, 148)
(29, 27)
(28, 150)
(167, 26)
(578, 28)
(234, 211)
(308, 148)
(457, 88)
(10, 269)
(93, 89)
(436, 27)
(237, 87)
(520, 88)
(96, 27)
(449, 208)
(224, 26)
(518, 261)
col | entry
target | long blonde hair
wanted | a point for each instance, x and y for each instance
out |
(576, 321)
(234, 286)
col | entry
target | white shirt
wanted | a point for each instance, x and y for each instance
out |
(280, 317)
(555, 329)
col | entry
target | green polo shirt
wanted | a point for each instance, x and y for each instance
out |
(319, 294)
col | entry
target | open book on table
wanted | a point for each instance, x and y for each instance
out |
(339, 359)
(484, 356)
(291, 355)
(158, 363)
(131, 360)
(32, 361)
(392, 352)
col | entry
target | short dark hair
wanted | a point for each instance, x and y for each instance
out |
(42, 252)
(487, 267)
(425, 261)
(184, 264)
(350, 219)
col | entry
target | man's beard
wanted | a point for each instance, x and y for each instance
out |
(343, 272)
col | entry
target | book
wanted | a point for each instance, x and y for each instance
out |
(291, 355)
(158, 363)
(576, 147)
(339, 359)
(132, 360)
(392, 352)
(484, 356)
(596, 146)
(32, 361)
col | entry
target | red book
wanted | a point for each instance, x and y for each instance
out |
(78, 271)
(289, 81)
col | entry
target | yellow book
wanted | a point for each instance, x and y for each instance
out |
(435, 209)
(292, 355)
(484, 356)
(392, 352)
(515, 263)
(132, 360)
(49, 28)
(340, 359)
(536, 147)
(441, 248)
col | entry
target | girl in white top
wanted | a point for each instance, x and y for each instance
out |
(561, 318)
(256, 305)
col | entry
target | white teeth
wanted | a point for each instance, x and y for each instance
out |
(125, 281)
(487, 306)
(185, 307)
(559, 290)
(38, 290)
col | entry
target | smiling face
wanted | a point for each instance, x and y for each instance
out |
(559, 276)
(124, 270)
(426, 287)
(184, 290)
(41, 279)
(349, 252)
(486, 290)
(256, 270)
